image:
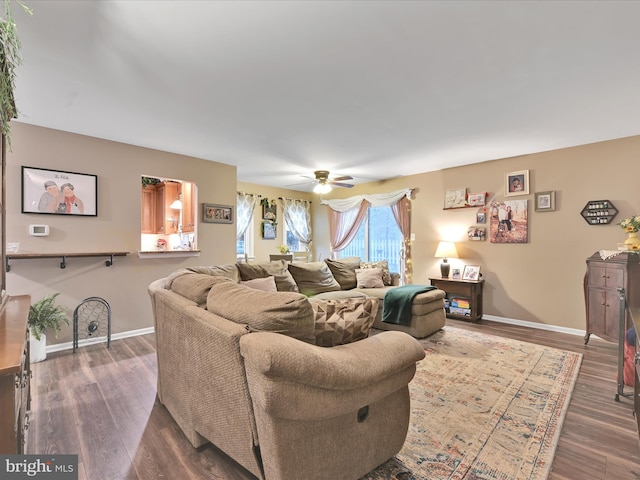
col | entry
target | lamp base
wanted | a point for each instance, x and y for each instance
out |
(444, 269)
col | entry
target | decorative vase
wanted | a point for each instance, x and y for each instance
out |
(632, 239)
(37, 348)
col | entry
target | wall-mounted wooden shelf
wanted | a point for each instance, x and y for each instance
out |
(464, 206)
(599, 212)
(63, 257)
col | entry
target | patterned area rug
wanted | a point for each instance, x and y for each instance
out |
(484, 407)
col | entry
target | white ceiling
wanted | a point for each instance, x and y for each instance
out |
(372, 89)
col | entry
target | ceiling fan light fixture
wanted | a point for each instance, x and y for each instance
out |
(322, 188)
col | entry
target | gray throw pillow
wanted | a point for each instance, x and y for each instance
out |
(313, 278)
(276, 269)
(196, 286)
(344, 270)
(288, 313)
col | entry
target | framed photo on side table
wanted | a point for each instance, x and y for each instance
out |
(471, 272)
(545, 201)
(455, 273)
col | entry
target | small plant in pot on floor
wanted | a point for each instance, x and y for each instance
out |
(44, 315)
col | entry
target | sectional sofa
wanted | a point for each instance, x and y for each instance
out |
(240, 365)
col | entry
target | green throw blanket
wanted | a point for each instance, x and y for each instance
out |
(397, 303)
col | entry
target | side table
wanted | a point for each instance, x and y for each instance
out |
(469, 294)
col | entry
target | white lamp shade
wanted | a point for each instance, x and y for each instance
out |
(446, 250)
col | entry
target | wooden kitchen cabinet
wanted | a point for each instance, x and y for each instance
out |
(15, 375)
(148, 210)
(167, 218)
(602, 298)
(189, 207)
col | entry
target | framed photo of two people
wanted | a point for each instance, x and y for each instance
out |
(57, 192)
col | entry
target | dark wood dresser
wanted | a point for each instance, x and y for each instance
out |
(15, 374)
(603, 279)
(635, 318)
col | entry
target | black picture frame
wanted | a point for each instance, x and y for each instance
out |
(59, 192)
(212, 213)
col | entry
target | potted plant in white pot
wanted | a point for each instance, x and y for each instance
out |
(43, 315)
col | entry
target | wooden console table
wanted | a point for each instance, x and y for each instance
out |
(63, 257)
(470, 290)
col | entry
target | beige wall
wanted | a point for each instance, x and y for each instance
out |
(119, 168)
(540, 281)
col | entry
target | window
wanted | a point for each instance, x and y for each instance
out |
(292, 242)
(378, 238)
(244, 244)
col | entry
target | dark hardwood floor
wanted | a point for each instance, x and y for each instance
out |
(101, 404)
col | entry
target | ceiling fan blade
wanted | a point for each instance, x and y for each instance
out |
(343, 177)
(301, 183)
(339, 184)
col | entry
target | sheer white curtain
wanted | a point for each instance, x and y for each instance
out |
(297, 215)
(375, 200)
(347, 214)
(246, 205)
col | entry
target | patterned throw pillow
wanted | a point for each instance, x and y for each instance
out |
(384, 265)
(343, 321)
(369, 278)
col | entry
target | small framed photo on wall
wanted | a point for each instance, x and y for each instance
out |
(480, 217)
(217, 213)
(545, 201)
(516, 183)
(477, 199)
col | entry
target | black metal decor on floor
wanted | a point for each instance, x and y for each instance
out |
(92, 321)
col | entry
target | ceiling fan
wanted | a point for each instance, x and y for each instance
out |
(324, 183)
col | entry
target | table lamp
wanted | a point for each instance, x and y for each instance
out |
(446, 250)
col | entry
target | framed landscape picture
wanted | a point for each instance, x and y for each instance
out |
(57, 192)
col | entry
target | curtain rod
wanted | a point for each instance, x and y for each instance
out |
(281, 198)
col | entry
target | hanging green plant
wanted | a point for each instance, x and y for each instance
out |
(149, 181)
(9, 59)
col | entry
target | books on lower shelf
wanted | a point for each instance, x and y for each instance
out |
(458, 306)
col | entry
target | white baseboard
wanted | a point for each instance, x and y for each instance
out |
(58, 347)
(143, 331)
(539, 326)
